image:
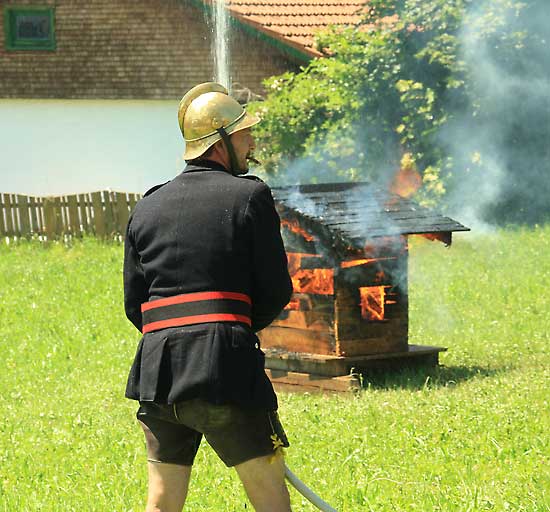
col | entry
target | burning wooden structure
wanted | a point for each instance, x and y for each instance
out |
(347, 245)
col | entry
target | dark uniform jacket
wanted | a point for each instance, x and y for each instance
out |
(206, 230)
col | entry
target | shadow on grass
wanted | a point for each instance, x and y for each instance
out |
(420, 377)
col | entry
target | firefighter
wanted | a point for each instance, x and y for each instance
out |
(204, 269)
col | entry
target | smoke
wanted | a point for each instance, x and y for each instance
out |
(497, 139)
(304, 204)
(324, 163)
(500, 145)
(367, 202)
(364, 208)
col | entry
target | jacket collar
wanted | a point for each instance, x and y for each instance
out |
(204, 165)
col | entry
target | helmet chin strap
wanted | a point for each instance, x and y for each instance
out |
(231, 150)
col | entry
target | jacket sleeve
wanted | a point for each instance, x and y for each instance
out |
(135, 288)
(271, 283)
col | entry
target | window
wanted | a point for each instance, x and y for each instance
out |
(29, 28)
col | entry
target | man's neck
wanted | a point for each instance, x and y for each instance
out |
(220, 157)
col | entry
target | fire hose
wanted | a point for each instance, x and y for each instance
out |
(306, 492)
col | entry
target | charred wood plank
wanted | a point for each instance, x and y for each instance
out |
(383, 345)
(295, 381)
(311, 302)
(298, 340)
(312, 320)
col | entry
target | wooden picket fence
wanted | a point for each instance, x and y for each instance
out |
(103, 214)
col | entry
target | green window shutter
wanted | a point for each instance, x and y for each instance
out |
(29, 28)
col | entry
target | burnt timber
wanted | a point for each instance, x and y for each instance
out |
(348, 257)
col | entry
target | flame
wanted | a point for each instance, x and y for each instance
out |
(356, 263)
(315, 280)
(407, 180)
(292, 225)
(363, 261)
(373, 301)
(294, 304)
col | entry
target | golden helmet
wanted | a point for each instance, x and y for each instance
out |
(203, 111)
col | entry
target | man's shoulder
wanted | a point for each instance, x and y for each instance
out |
(148, 199)
(155, 188)
(251, 177)
(253, 184)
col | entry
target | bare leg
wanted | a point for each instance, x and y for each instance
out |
(168, 484)
(264, 483)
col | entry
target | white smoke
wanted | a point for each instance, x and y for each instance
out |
(494, 170)
(483, 145)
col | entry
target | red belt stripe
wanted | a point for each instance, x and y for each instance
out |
(196, 308)
(192, 297)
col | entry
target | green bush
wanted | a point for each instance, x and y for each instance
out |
(446, 83)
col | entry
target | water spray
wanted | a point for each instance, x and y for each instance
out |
(220, 48)
(306, 492)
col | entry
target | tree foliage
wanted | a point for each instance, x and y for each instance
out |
(414, 80)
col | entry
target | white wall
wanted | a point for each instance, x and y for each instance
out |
(51, 147)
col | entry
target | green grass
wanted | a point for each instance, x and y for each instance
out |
(471, 435)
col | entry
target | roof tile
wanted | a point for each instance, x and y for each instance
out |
(296, 22)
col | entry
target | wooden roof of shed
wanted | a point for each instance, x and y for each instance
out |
(351, 213)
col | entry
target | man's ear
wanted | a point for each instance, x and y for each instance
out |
(218, 149)
(220, 154)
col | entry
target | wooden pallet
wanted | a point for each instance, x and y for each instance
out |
(294, 381)
(293, 371)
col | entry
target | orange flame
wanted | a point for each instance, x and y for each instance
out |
(363, 261)
(373, 301)
(315, 280)
(292, 225)
(294, 304)
(407, 180)
(356, 263)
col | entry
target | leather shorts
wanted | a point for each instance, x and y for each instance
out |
(173, 432)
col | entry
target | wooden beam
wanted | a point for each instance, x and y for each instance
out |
(35, 205)
(9, 209)
(293, 381)
(23, 204)
(84, 207)
(312, 367)
(59, 227)
(50, 227)
(74, 221)
(110, 213)
(133, 199)
(99, 216)
(122, 212)
(3, 228)
(298, 340)
(391, 343)
(312, 320)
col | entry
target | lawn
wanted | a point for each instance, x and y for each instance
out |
(472, 435)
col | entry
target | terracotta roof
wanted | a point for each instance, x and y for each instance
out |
(295, 22)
